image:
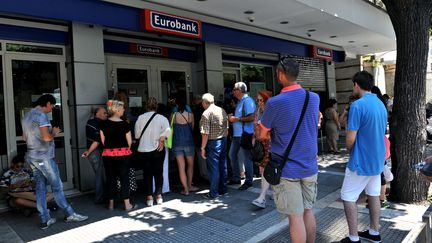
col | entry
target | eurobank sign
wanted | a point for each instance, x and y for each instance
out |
(155, 21)
(322, 53)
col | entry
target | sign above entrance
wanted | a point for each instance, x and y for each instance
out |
(170, 24)
(322, 53)
(148, 50)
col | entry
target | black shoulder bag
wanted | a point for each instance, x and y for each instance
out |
(136, 142)
(273, 170)
(246, 138)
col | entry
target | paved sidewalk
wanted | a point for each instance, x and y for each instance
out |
(231, 218)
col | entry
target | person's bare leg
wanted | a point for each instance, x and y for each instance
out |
(190, 170)
(310, 224)
(264, 187)
(335, 147)
(297, 228)
(182, 173)
(351, 216)
(330, 144)
(383, 192)
(25, 203)
(127, 204)
(374, 212)
(111, 204)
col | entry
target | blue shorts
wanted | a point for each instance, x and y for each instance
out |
(183, 150)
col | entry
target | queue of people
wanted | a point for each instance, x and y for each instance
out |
(279, 131)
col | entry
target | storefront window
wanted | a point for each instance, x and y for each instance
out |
(134, 83)
(230, 78)
(256, 77)
(173, 85)
(31, 79)
(33, 49)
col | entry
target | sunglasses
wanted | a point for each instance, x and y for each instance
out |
(260, 100)
(283, 60)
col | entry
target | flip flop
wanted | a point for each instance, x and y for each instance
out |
(184, 193)
(134, 206)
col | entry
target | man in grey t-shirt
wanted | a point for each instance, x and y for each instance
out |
(39, 136)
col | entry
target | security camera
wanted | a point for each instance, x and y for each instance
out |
(251, 19)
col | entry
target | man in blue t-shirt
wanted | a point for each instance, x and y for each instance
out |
(296, 193)
(242, 121)
(39, 136)
(367, 123)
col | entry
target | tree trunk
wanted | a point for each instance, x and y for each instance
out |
(411, 22)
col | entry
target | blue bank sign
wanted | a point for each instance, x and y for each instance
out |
(170, 24)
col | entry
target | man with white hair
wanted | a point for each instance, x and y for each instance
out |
(242, 121)
(214, 131)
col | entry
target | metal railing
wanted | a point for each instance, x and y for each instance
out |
(377, 3)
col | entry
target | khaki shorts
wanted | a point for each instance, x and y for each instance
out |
(293, 196)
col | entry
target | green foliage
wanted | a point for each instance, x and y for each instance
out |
(252, 73)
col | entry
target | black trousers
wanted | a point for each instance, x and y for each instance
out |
(152, 165)
(117, 167)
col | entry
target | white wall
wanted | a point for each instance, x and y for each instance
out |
(90, 91)
(213, 57)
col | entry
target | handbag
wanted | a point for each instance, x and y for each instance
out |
(169, 140)
(246, 138)
(257, 152)
(273, 170)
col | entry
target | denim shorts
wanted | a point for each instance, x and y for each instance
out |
(183, 150)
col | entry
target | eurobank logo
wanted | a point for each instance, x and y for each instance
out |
(170, 24)
(322, 53)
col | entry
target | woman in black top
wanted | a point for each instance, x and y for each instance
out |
(116, 137)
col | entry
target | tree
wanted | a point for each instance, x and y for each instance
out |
(411, 22)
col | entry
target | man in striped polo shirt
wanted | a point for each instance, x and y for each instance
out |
(296, 193)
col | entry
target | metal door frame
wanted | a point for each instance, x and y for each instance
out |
(8, 57)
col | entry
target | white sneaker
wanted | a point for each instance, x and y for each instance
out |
(159, 201)
(76, 218)
(48, 223)
(259, 203)
(150, 202)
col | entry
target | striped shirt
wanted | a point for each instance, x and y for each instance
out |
(281, 115)
(214, 122)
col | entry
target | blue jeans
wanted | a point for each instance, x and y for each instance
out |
(237, 154)
(46, 172)
(216, 166)
(95, 159)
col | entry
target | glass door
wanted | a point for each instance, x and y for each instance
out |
(28, 77)
(230, 77)
(133, 81)
(139, 77)
(175, 83)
